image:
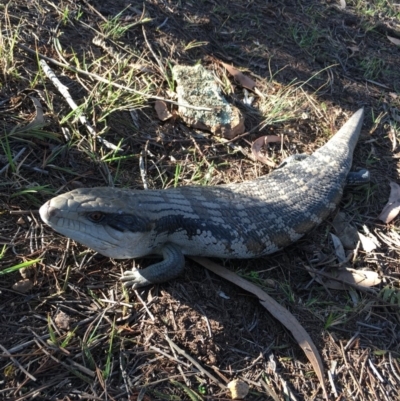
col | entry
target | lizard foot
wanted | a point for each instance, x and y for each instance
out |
(133, 279)
(170, 267)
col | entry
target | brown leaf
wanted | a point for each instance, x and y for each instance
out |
(337, 279)
(392, 208)
(257, 148)
(242, 79)
(62, 320)
(162, 110)
(394, 40)
(276, 310)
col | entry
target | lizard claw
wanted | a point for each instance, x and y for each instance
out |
(134, 279)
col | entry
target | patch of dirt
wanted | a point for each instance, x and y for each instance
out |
(76, 334)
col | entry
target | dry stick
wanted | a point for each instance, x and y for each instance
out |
(334, 391)
(15, 158)
(377, 374)
(122, 366)
(144, 305)
(116, 303)
(142, 169)
(65, 92)
(391, 365)
(196, 145)
(24, 345)
(185, 379)
(17, 363)
(36, 391)
(162, 69)
(70, 367)
(169, 378)
(349, 369)
(107, 81)
(287, 392)
(194, 362)
(172, 358)
(269, 390)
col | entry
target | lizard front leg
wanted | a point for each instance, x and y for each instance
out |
(170, 267)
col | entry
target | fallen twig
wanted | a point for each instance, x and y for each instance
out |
(195, 363)
(65, 92)
(15, 158)
(6, 353)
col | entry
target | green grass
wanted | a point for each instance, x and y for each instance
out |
(8, 64)
(30, 194)
(376, 8)
(306, 37)
(390, 294)
(372, 68)
(115, 28)
(18, 266)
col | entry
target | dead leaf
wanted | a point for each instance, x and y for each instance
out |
(242, 79)
(392, 208)
(368, 242)
(346, 232)
(276, 310)
(38, 121)
(62, 320)
(23, 286)
(339, 250)
(338, 279)
(394, 40)
(162, 110)
(258, 145)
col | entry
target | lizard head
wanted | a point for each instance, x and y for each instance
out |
(101, 219)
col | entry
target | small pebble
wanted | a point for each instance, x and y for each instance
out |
(239, 389)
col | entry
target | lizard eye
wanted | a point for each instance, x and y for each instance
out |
(96, 217)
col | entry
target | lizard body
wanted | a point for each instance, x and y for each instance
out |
(246, 220)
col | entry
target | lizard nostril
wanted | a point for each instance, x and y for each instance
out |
(47, 212)
(52, 211)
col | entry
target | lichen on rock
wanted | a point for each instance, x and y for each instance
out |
(196, 86)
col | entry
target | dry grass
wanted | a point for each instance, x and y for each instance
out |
(76, 333)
